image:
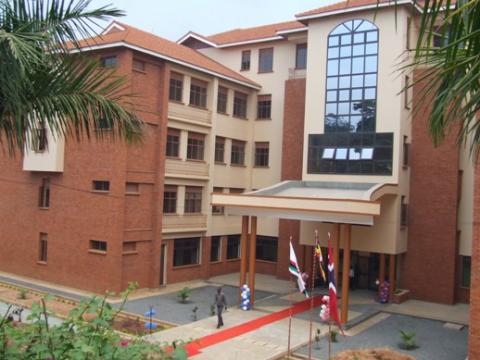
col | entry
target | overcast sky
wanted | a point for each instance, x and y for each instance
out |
(173, 18)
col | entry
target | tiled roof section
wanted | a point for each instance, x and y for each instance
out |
(254, 33)
(350, 4)
(153, 43)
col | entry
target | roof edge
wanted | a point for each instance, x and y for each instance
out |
(193, 35)
(304, 18)
(87, 48)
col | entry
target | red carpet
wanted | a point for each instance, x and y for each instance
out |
(223, 335)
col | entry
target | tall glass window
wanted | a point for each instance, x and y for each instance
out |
(351, 91)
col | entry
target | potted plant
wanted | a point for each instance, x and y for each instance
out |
(400, 296)
(333, 336)
(408, 340)
(183, 295)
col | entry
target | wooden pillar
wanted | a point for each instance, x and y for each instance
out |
(252, 258)
(336, 249)
(243, 252)
(346, 269)
(391, 275)
(381, 274)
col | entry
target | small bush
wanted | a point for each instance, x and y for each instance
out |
(212, 310)
(408, 340)
(333, 336)
(184, 294)
(22, 294)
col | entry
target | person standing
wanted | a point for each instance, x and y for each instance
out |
(220, 302)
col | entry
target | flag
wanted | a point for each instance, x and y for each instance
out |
(332, 289)
(295, 271)
(318, 254)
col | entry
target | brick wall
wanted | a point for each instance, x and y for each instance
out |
(474, 334)
(432, 226)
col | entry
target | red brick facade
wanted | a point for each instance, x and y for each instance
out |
(432, 220)
(474, 333)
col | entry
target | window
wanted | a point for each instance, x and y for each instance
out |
(40, 140)
(301, 56)
(170, 199)
(43, 247)
(222, 100)
(219, 149)
(440, 36)
(265, 60)
(403, 213)
(215, 249)
(98, 245)
(193, 199)
(238, 152)
(236, 191)
(466, 270)
(217, 210)
(351, 94)
(138, 65)
(109, 61)
(261, 154)
(44, 201)
(266, 249)
(132, 188)
(240, 105)
(99, 185)
(176, 87)
(198, 93)
(195, 146)
(406, 147)
(173, 142)
(233, 247)
(264, 106)
(245, 65)
(130, 246)
(186, 251)
(406, 93)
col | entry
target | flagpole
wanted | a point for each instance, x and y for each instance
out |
(290, 311)
(329, 339)
(314, 262)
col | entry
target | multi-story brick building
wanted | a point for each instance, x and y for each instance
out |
(317, 101)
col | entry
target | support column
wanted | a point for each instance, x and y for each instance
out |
(252, 258)
(336, 249)
(381, 273)
(391, 276)
(243, 252)
(346, 269)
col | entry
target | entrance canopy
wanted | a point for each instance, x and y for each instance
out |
(338, 202)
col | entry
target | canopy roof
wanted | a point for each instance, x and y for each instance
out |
(339, 202)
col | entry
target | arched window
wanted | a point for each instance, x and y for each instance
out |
(351, 91)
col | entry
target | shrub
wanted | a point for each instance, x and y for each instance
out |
(212, 310)
(22, 294)
(75, 338)
(408, 340)
(184, 294)
(333, 336)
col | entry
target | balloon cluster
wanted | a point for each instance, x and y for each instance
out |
(384, 292)
(245, 295)
(325, 308)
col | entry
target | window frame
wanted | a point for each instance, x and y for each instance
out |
(218, 249)
(262, 160)
(43, 248)
(142, 68)
(44, 194)
(266, 242)
(172, 146)
(403, 212)
(109, 61)
(170, 202)
(264, 107)
(218, 210)
(235, 238)
(193, 200)
(187, 247)
(222, 100)
(100, 246)
(175, 88)
(40, 144)
(262, 53)
(245, 64)
(240, 105)
(219, 140)
(198, 93)
(237, 152)
(297, 51)
(195, 146)
(102, 186)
